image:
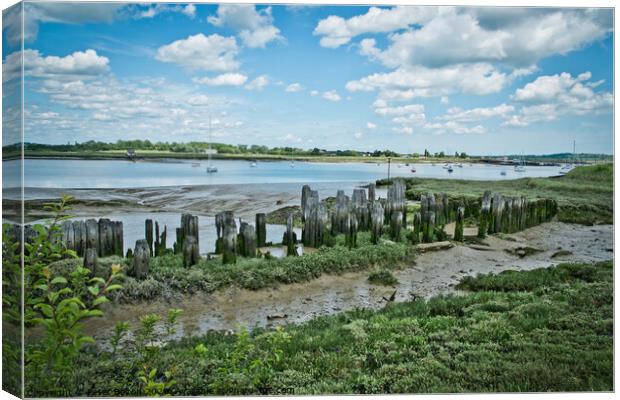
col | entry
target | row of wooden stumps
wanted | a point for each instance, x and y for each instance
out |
(499, 214)
(104, 236)
(436, 211)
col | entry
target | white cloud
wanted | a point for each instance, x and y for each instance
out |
(294, 87)
(78, 65)
(227, 79)
(549, 96)
(255, 27)
(400, 110)
(419, 81)
(477, 114)
(370, 125)
(209, 53)
(336, 31)
(455, 127)
(314, 93)
(331, 95)
(258, 83)
(358, 135)
(436, 37)
(445, 100)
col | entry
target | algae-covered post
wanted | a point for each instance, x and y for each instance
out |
(261, 230)
(247, 240)
(141, 259)
(148, 233)
(351, 235)
(191, 255)
(428, 235)
(417, 222)
(291, 239)
(377, 219)
(396, 223)
(458, 227)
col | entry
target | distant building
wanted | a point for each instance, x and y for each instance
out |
(131, 153)
(209, 151)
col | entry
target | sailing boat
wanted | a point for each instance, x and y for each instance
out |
(568, 166)
(521, 166)
(292, 161)
(210, 169)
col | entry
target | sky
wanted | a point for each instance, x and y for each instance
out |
(481, 80)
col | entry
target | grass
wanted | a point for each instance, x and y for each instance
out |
(382, 277)
(168, 278)
(529, 331)
(584, 195)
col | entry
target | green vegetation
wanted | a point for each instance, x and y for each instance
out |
(584, 195)
(528, 331)
(382, 277)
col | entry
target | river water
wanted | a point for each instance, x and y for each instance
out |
(53, 173)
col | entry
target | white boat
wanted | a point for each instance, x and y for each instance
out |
(450, 169)
(521, 166)
(210, 169)
(413, 169)
(447, 166)
(503, 173)
(459, 165)
(253, 164)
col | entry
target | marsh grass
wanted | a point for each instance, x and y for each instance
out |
(529, 331)
(584, 195)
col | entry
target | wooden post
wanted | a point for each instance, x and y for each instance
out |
(148, 234)
(396, 223)
(417, 222)
(498, 207)
(261, 230)
(458, 228)
(90, 260)
(485, 210)
(371, 192)
(360, 208)
(429, 228)
(352, 226)
(341, 212)
(229, 239)
(191, 256)
(119, 247)
(92, 234)
(305, 211)
(445, 202)
(291, 239)
(377, 220)
(247, 240)
(141, 259)
(156, 244)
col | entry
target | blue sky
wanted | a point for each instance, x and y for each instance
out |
(479, 80)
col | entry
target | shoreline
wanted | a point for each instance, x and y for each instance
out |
(161, 157)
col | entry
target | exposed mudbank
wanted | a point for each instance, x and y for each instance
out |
(433, 273)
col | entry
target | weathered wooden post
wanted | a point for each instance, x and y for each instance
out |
(485, 210)
(396, 223)
(305, 195)
(351, 235)
(106, 237)
(445, 203)
(360, 208)
(291, 239)
(68, 235)
(81, 242)
(141, 259)
(428, 236)
(119, 248)
(148, 233)
(229, 238)
(156, 244)
(261, 230)
(191, 255)
(498, 207)
(417, 222)
(90, 259)
(340, 214)
(371, 192)
(377, 220)
(458, 227)
(247, 240)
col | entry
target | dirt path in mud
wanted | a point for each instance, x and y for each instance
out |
(433, 273)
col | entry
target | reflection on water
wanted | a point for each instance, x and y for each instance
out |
(127, 174)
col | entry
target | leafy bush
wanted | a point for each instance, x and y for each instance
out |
(382, 277)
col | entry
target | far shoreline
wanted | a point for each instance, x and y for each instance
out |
(162, 157)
